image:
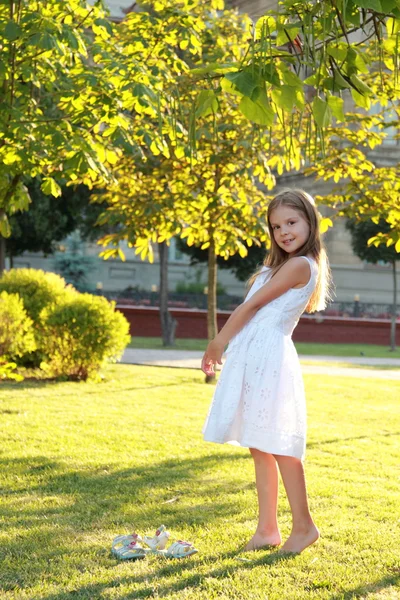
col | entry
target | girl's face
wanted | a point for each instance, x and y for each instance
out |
(291, 230)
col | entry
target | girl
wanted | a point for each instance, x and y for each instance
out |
(259, 400)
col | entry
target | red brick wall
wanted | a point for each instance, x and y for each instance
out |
(145, 322)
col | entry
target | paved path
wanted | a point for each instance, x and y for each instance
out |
(191, 360)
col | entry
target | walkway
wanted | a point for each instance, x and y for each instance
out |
(191, 360)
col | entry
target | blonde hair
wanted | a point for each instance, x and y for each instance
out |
(304, 204)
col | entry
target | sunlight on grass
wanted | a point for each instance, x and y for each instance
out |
(82, 463)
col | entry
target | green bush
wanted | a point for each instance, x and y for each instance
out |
(38, 290)
(82, 333)
(16, 331)
(7, 371)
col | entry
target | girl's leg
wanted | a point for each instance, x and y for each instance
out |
(267, 532)
(304, 532)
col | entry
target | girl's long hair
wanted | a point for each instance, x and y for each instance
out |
(304, 204)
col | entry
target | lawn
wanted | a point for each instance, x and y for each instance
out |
(369, 350)
(82, 463)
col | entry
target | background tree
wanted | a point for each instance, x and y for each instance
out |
(330, 46)
(50, 220)
(361, 233)
(62, 116)
(141, 209)
(335, 50)
(242, 267)
(212, 196)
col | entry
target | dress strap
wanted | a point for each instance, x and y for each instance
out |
(309, 260)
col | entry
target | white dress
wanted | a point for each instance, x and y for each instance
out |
(259, 400)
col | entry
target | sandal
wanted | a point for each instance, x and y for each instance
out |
(127, 547)
(159, 541)
(179, 549)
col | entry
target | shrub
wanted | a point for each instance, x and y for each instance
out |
(38, 290)
(16, 331)
(7, 371)
(82, 333)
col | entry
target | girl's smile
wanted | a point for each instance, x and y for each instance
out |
(291, 230)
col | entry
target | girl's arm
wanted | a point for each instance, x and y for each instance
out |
(295, 272)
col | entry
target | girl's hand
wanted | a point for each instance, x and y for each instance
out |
(212, 356)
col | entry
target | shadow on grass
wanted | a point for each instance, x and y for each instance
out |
(96, 500)
(51, 506)
(370, 588)
(182, 571)
(187, 580)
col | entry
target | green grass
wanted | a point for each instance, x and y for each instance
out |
(347, 365)
(81, 463)
(369, 350)
(155, 343)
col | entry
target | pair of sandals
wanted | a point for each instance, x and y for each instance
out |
(129, 547)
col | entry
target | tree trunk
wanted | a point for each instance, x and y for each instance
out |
(394, 311)
(168, 323)
(212, 327)
(2, 255)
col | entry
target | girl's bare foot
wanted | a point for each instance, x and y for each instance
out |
(259, 541)
(299, 540)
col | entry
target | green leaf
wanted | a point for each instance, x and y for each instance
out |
(322, 112)
(206, 103)
(352, 13)
(369, 4)
(388, 5)
(259, 112)
(360, 86)
(361, 100)
(338, 52)
(265, 26)
(50, 186)
(228, 86)
(360, 64)
(292, 79)
(286, 34)
(340, 81)
(312, 80)
(270, 74)
(392, 26)
(244, 81)
(12, 31)
(336, 106)
(284, 97)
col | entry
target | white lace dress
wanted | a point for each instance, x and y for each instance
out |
(259, 399)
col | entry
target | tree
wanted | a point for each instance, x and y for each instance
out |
(242, 266)
(330, 46)
(361, 233)
(63, 115)
(338, 50)
(211, 197)
(50, 220)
